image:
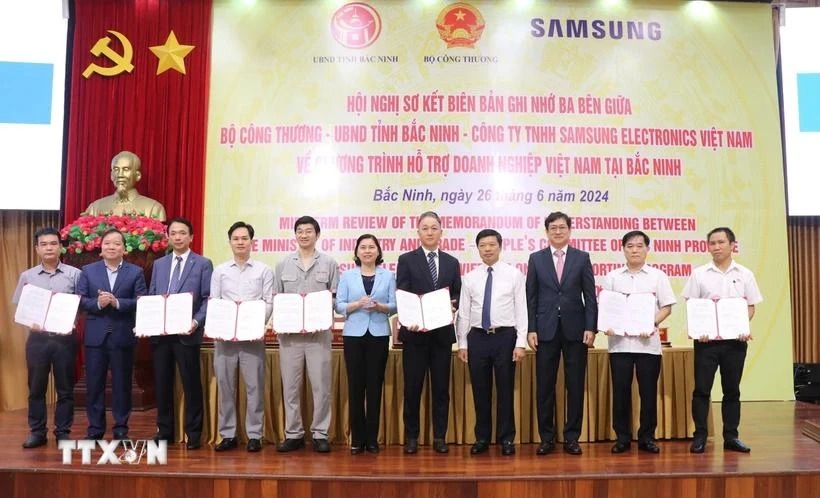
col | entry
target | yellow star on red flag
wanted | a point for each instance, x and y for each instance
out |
(171, 55)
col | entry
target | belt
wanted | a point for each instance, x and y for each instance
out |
(493, 330)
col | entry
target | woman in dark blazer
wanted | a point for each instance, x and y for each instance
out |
(366, 296)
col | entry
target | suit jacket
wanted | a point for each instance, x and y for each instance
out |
(130, 284)
(574, 296)
(351, 289)
(413, 275)
(196, 279)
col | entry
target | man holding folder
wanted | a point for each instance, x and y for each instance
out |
(721, 278)
(181, 271)
(640, 350)
(46, 351)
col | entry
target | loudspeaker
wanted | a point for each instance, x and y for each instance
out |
(807, 381)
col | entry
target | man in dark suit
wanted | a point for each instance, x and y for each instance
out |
(179, 272)
(109, 290)
(562, 311)
(421, 271)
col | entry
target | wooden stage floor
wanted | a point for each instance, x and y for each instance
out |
(783, 463)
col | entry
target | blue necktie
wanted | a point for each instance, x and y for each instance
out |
(486, 323)
(431, 262)
(174, 285)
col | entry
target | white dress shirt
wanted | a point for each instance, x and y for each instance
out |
(184, 257)
(707, 282)
(508, 307)
(647, 279)
(427, 256)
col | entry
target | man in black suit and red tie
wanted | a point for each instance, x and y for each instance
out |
(562, 311)
(181, 271)
(421, 271)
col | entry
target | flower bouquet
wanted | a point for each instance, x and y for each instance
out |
(145, 239)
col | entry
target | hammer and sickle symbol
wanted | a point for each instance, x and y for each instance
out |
(122, 62)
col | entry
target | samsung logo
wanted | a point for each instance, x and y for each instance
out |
(598, 29)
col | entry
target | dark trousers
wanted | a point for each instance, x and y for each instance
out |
(647, 367)
(45, 353)
(729, 355)
(98, 359)
(169, 352)
(490, 354)
(547, 357)
(365, 359)
(417, 359)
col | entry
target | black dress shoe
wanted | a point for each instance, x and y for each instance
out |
(290, 445)
(193, 444)
(620, 447)
(479, 447)
(439, 446)
(572, 447)
(254, 445)
(411, 446)
(321, 446)
(63, 436)
(35, 441)
(545, 448)
(93, 436)
(228, 443)
(649, 447)
(356, 449)
(698, 446)
(122, 436)
(372, 447)
(508, 448)
(736, 445)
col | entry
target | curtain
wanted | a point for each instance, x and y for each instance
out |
(160, 117)
(804, 263)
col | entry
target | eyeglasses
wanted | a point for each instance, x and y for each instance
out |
(559, 228)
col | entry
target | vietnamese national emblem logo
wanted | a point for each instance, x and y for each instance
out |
(356, 25)
(460, 25)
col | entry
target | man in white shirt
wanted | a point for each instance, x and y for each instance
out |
(722, 278)
(492, 335)
(641, 353)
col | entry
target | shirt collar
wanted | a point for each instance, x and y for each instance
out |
(712, 267)
(249, 262)
(60, 268)
(643, 269)
(553, 249)
(184, 256)
(427, 252)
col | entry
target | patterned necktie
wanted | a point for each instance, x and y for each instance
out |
(559, 267)
(174, 285)
(486, 323)
(431, 262)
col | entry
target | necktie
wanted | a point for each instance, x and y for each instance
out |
(486, 323)
(559, 268)
(431, 262)
(174, 285)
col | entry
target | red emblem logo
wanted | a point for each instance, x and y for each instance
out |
(356, 25)
(460, 25)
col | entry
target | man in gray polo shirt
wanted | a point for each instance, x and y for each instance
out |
(306, 270)
(241, 279)
(45, 350)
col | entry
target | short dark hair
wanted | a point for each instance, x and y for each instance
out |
(45, 231)
(632, 235)
(110, 231)
(488, 232)
(183, 221)
(307, 220)
(728, 231)
(238, 225)
(379, 259)
(555, 216)
(428, 214)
